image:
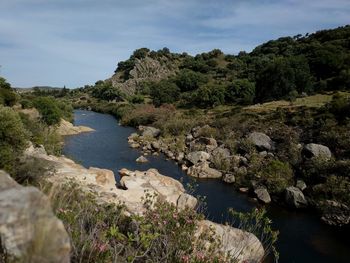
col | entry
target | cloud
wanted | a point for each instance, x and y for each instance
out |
(76, 42)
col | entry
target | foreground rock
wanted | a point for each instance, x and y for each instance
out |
(148, 131)
(317, 150)
(198, 156)
(137, 184)
(242, 246)
(28, 225)
(295, 197)
(67, 128)
(261, 141)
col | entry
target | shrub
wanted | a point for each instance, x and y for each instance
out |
(13, 138)
(48, 109)
(276, 175)
(164, 91)
(240, 91)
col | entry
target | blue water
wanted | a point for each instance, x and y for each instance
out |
(303, 237)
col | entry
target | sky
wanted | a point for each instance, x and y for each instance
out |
(77, 42)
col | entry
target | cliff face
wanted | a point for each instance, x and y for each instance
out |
(145, 69)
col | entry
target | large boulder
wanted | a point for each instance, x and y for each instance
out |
(67, 128)
(202, 170)
(295, 197)
(151, 181)
(317, 150)
(261, 141)
(262, 194)
(238, 245)
(28, 225)
(198, 156)
(148, 131)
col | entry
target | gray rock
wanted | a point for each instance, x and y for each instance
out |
(261, 141)
(186, 200)
(142, 159)
(317, 150)
(244, 189)
(198, 156)
(155, 145)
(27, 223)
(148, 131)
(301, 185)
(220, 152)
(202, 170)
(135, 145)
(229, 178)
(263, 153)
(262, 194)
(295, 197)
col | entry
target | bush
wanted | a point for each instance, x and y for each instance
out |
(13, 138)
(48, 109)
(188, 80)
(164, 91)
(276, 175)
(240, 91)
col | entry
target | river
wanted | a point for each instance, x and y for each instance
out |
(303, 237)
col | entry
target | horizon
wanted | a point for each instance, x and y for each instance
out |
(74, 43)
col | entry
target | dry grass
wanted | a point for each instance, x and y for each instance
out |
(314, 101)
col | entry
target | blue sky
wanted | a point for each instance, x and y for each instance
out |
(77, 42)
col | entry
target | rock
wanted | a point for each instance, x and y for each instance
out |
(27, 223)
(198, 131)
(202, 170)
(155, 145)
(142, 159)
(261, 141)
(148, 131)
(220, 152)
(229, 178)
(180, 156)
(301, 185)
(335, 213)
(317, 150)
(239, 245)
(135, 145)
(151, 181)
(262, 194)
(263, 153)
(295, 197)
(189, 138)
(67, 128)
(184, 167)
(198, 156)
(186, 200)
(244, 189)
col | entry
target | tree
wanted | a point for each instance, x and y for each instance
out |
(105, 91)
(7, 96)
(208, 96)
(48, 109)
(164, 91)
(282, 76)
(188, 80)
(240, 91)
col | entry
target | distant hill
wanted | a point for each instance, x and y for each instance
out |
(278, 69)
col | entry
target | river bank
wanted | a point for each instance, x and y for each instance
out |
(302, 231)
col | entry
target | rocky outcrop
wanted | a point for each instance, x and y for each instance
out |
(202, 170)
(29, 231)
(295, 197)
(317, 150)
(238, 244)
(67, 128)
(261, 141)
(229, 178)
(145, 69)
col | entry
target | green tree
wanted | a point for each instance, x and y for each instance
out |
(48, 109)
(240, 91)
(188, 80)
(208, 96)
(164, 91)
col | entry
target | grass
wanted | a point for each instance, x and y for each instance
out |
(314, 101)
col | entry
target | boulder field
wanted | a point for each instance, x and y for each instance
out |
(132, 189)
